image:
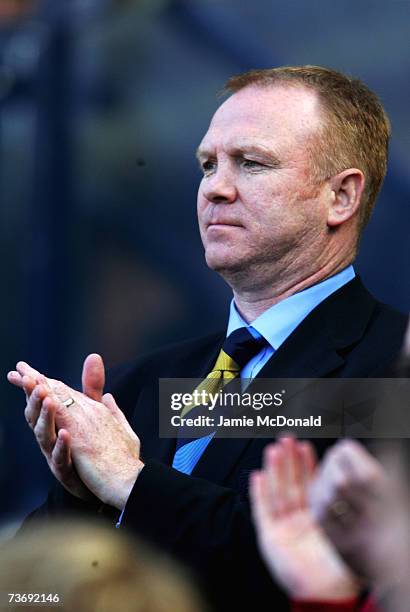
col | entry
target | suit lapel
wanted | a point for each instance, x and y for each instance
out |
(193, 360)
(316, 348)
(319, 345)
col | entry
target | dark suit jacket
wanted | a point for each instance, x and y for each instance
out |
(204, 519)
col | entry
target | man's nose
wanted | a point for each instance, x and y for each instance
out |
(220, 188)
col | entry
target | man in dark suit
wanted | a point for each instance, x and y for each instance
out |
(292, 163)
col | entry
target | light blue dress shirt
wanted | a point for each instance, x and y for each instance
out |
(280, 320)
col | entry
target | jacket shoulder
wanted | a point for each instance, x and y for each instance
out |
(185, 358)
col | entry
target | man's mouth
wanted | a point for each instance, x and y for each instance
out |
(223, 224)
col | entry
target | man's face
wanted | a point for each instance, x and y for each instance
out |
(257, 205)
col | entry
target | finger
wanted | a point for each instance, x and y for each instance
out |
(93, 377)
(44, 430)
(69, 403)
(329, 486)
(15, 378)
(25, 369)
(273, 468)
(260, 502)
(355, 459)
(34, 402)
(109, 401)
(61, 455)
(292, 473)
(62, 392)
(308, 460)
(337, 489)
(308, 463)
(27, 383)
(363, 472)
(21, 381)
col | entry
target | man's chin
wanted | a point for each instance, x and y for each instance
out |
(226, 264)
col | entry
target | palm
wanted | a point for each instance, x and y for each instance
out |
(293, 545)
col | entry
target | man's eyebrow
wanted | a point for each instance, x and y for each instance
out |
(201, 153)
(244, 149)
(259, 150)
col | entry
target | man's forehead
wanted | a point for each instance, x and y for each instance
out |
(278, 109)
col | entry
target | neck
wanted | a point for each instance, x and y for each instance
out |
(254, 298)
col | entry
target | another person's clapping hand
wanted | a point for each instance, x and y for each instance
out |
(87, 441)
(364, 511)
(294, 546)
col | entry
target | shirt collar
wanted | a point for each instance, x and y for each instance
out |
(280, 320)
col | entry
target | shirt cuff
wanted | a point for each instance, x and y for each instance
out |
(118, 523)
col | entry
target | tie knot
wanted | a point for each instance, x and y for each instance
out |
(241, 345)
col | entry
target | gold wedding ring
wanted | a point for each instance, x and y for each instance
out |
(68, 402)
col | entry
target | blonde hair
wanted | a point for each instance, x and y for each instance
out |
(92, 569)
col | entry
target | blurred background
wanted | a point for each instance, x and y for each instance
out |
(102, 104)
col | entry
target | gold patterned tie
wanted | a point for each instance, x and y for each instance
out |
(239, 348)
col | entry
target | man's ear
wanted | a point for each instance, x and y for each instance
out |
(347, 189)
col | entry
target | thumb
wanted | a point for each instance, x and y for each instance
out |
(93, 377)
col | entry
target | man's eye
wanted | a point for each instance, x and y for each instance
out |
(251, 163)
(208, 167)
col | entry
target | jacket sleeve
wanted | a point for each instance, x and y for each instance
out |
(61, 504)
(207, 527)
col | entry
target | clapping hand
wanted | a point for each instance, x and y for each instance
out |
(294, 546)
(87, 441)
